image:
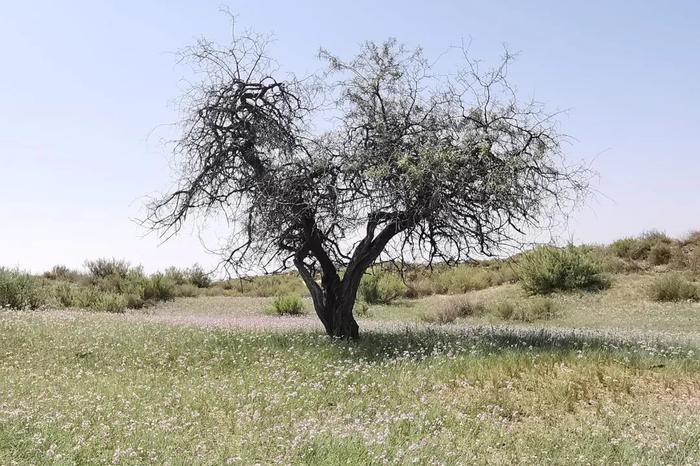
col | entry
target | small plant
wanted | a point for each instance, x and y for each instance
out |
(540, 309)
(504, 309)
(287, 305)
(546, 269)
(673, 288)
(361, 309)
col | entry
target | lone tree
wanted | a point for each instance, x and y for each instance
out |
(378, 157)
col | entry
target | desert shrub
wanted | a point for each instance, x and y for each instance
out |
(640, 248)
(186, 290)
(61, 272)
(546, 269)
(177, 276)
(660, 254)
(198, 277)
(673, 287)
(503, 309)
(361, 309)
(103, 268)
(623, 247)
(381, 287)
(20, 290)
(287, 305)
(109, 302)
(158, 287)
(453, 308)
(540, 309)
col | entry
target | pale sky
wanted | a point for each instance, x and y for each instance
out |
(87, 89)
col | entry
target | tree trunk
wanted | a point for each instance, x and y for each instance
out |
(336, 313)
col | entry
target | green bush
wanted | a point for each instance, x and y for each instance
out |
(158, 288)
(381, 287)
(287, 305)
(198, 277)
(546, 269)
(673, 288)
(103, 268)
(361, 309)
(109, 302)
(61, 272)
(20, 290)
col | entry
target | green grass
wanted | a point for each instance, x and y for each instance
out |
(96, 389)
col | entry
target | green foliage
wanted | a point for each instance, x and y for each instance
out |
(197, 277)
(109, 302)
(104, 268)
(546, 269)
(674, 288)
(640, 248)
(20, 290)
(361, 309)
(158, 287)
(381, 287)
(63, 273)
(287, 305)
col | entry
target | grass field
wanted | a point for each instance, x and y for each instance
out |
(613, 378)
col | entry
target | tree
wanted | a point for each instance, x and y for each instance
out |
(378, 156)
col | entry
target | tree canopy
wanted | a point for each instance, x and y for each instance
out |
(379, 156)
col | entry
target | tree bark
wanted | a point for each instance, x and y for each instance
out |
(338, 320)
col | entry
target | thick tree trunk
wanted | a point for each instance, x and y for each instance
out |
(336, 313)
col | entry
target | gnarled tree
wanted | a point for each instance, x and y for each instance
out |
(377, 157)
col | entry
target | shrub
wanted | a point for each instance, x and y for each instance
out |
(198, 277)
(103, 268)
(623, 247)
(179, 277)
(287, 305)
(673, 288)
(539, 309)
(546, 269)
(186, 290)
(20, 290)
(381, 288)
(158, 288)
(361, 309)
(660, 254)
(109, 302)
(453, 308)
(61, 272)
(527, 311)
(504, 309)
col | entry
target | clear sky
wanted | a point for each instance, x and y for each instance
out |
(86, 87)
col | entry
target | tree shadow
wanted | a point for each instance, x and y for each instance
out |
(421, 342)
